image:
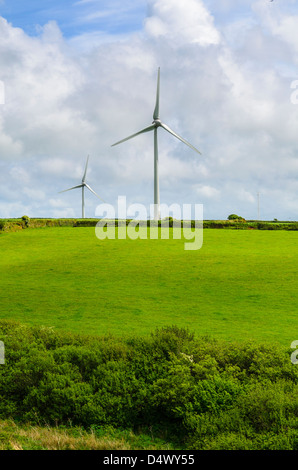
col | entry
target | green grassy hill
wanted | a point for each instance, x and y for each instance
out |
(140, 344)
(241, 284)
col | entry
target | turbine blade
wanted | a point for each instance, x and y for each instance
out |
(156, 110)
(74, 187)
(90, 189)
(167, 128)
(84, 177)
(147, 129)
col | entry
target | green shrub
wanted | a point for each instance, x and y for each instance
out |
(26, 220)
(235, 217)
(85, 223)
(201, 393)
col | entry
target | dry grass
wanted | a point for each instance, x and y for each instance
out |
(15, 437)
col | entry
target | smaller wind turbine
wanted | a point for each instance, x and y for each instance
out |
(83, 185)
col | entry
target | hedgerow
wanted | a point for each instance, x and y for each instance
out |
(199, 392)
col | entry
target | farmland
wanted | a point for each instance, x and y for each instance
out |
(140, 344)
(240, 285)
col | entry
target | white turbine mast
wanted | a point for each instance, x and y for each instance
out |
(155, 125)
(83, 185)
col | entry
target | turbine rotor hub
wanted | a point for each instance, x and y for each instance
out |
(157, 122)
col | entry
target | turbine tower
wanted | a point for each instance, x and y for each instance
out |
(83, 185)
(154, 127)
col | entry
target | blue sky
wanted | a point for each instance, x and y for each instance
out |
(81, 16)
(81, 75)
(76, 17)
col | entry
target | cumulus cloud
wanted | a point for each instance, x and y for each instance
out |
(181, 23)
(226, 73)
(207, 191)
(20, 175)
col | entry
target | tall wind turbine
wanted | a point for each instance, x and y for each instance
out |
(83, 185)
(155, 125)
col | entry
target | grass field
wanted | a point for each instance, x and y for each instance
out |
(242, 284)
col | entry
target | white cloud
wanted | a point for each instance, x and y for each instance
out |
(20, 175)
(13, 209)
(207, 192)
(34, 194)
(59, 166)
(185, 22)
(226, 94)
(57, 203)
(10, 146)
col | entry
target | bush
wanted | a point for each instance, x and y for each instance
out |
(200, 393)
(235, 217)
(26, 220)
(85, 223)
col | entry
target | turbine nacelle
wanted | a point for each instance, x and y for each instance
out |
(157, 122)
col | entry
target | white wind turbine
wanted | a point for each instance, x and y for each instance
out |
(155, 125)
(83, 185)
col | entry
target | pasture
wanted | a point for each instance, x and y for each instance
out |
(241, 285)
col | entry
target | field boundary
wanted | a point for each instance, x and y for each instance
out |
(14, 225)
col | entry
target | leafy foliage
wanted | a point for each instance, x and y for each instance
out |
(235, 217)
(201, 393)
(26, 221)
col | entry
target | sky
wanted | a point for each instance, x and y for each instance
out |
(78, 76)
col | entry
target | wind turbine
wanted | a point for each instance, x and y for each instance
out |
(83, 185)
(155, 125)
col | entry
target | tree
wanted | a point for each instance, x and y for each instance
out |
(26, 220)
(235, 217)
